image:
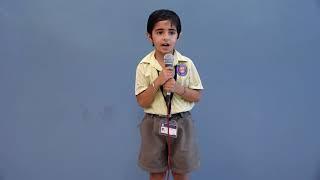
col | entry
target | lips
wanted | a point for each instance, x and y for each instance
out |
(165, 44)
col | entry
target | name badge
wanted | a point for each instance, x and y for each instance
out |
(173, 128)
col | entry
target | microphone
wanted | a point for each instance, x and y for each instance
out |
(168, 62)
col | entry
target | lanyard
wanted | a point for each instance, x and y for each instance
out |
(168, 101)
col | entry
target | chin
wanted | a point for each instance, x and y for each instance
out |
(167, 51)
(164, 51)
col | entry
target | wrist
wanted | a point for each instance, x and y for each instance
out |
(155, 85)
(158, 81)
(182, 91)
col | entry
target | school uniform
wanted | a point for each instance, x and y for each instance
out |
(153, 151)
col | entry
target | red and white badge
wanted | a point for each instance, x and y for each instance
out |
(173, 128)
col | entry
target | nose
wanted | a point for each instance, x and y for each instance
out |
(166, 36)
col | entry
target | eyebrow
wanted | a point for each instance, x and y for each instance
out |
(171, 29)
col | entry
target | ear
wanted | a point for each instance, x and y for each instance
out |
(149, 37)
(179, 35)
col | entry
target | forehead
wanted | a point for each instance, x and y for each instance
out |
(166, 24)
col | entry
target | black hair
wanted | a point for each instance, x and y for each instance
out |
(162, 15)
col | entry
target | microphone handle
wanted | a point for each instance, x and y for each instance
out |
(168, 98)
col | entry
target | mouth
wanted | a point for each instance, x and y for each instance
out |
(165, 45)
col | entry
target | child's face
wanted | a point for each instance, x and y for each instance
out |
(164, 37)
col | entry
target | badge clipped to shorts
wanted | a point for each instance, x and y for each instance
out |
(173, 128)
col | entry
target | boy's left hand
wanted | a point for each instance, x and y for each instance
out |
(170, 85)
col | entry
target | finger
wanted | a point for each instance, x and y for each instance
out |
(169, 68)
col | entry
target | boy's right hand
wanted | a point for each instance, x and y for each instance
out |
(165, 75)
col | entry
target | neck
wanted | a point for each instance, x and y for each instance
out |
(159, 56)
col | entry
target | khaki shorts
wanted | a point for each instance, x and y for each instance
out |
(153, 151)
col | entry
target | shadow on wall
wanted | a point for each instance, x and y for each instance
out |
(106, 114)
(318, 3)
(317, 176)
(1, 174)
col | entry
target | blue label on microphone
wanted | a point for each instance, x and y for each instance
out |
(182, 69)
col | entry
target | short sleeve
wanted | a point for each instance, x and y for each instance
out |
(141, 83)
(195, 81)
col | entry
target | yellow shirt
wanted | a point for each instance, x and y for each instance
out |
(187, 75)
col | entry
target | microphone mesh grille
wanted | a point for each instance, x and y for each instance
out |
(168, 59)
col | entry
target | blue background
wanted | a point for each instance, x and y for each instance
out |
(67, 104)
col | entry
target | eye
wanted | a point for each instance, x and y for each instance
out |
(172, 32)
(159, 32)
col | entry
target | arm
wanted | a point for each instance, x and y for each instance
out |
(146, 97)
(191, 95)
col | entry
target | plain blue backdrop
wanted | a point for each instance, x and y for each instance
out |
(67, 71)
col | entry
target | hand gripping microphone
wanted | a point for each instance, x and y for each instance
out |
(168, 62)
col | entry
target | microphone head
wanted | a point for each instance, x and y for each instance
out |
(168, 60)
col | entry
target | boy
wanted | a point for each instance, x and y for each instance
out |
(159, 151)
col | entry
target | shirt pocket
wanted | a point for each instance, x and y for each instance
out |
(148, 75)
(183, 75)
(152, 75)
(183, 80)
